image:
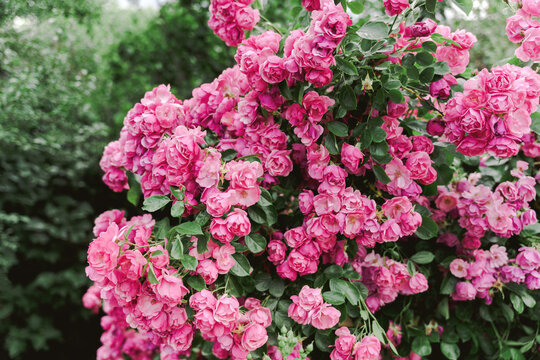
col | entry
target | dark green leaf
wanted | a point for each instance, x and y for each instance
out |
(428, 229)
(178, 193)
(423, 257)
(441, 68)
(134, 192)
(448, 285)
(262, 281)
(425, 58)
(177, 249)
(346, 288)
(381, 174)
(346, 66)
(535, 124)
(156, 202)
(256, 213)
(378, 134)
(228, 155)
(430, 5)
(427, 75)
(331, 145)
(517, 303)
(356, 6)
(189, 262)
(338, 128)
(347, 97)
(333, 271)
(285, 90)
(277, 287)
(451, 351)
(152, 279)
(421, 345)
(255, 243)
(333, 298)
(202, 243)
(188, 228)
(379, 152)
(242, 266)
(202, 218)
(266, 197)
(196, 282)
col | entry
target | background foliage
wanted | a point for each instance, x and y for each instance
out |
(69, 71)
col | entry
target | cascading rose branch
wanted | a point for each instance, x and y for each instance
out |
(303, 182)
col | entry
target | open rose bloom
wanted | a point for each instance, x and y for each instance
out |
(337, 192)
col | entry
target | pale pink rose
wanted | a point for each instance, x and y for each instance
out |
(182, 338)
(278, 163)
(457, 59)
(398, 173)
(464, 291)
(517, 24)
(390, 230)
(447, 201)
(367, 349)
(531, 7)
(254, 337)
(309, 298)
(247, 17)
(103, 221)
(208, 270)
(103, 251)
(325, 317)
(218, 203)
(528, 258)
(226, 311)
(394, 207)
(297, 313)
(220, 230)
(458, 268)
(418, 283)
(518, 122)
(224, 260)
(131, 264)
(530, 47)
(331, 21)
(201, 300)
(210, 170)
(260, 315)
(295, 237)
(316, 105)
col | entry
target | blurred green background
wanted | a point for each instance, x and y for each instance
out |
(69, 71)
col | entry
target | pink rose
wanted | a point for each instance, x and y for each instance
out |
(457, 59)
(238, 223)
(260, 315)
(276, 251)
(226, 311)
(218, 203)
(367, 349)
(530, 47)
(439, 89)
(464, 291)
(309, 298)
(421, 29)
(316, 105)
(325, 317)
(254, 337)
(103, 251)
(458, 268)
(418, 283)
(201, 300)
(278, 163)
(170, 289)
(103, 221)
(272, 70)
(220, 230)
(351, 157)
(311, 5)
(528, 258)
(518, 122)
(247, 17)
(131, 264)
(208, 270)
(331, 21)
(224, 260)
(305, 201)
(295, 237)
(395, 7)
(517, 24)
(531, 7)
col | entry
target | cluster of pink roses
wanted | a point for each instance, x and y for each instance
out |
(117, 339)
(309, 308)
(118, 258)
(347, 346)
(307, 56)
(478, 209)
(490, 269)
(234, 333)
(455, 54)
(386, 279)
(494, 111)
(230, 18)
(158, 112)
(523, 29)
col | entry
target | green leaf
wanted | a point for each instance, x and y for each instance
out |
(178, 193)
(333, 271)
(202, 218)
(423, 257)
(256, 243)
(381, 174)
(346, 66)
(333, 298)
(262, 281)
(379, 152)
(396, 96)
(266, 198)
(338, 128)
(156, 202)
(271, 214)
(346, 288)
(189, 262)
(347, 97)
(451, 351)
(425, 58)
(202, 243)
(285, 90)
(465, 5)
(331, 145)
(257, 214)
(177, 209)
(517, 303)
(187, 228)
(277, 287)
(196, 282)
(162, 228)
(152, 279)
(421, 345)
(535, 124)
(228, 155)
(356, 6)
(443, 309)
(375, 30)
(430, 5)
(177, 249)
(448, 285)
(378, 134)
(427, 75)
(242, 267)
(134, 192)
(441, 68)
(428, 229)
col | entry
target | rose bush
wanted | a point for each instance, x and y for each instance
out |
(341, 179)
